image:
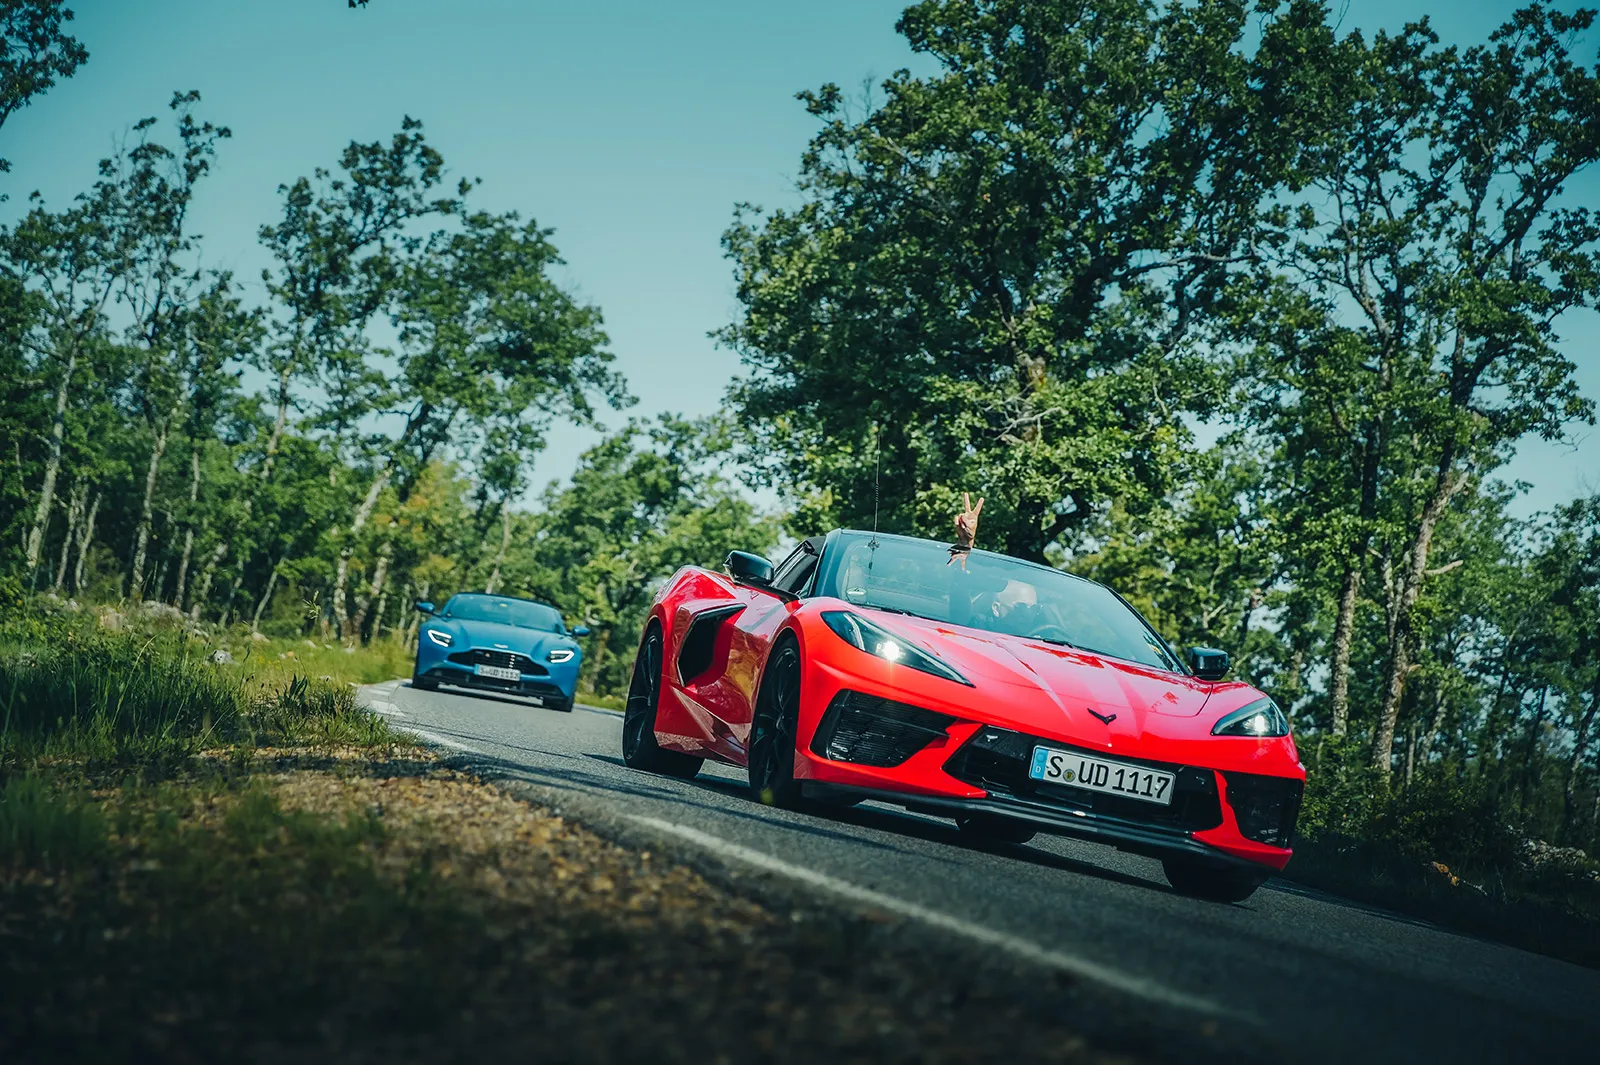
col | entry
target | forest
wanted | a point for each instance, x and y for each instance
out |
(1233, 308)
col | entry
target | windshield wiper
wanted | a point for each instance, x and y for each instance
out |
(1054, 642)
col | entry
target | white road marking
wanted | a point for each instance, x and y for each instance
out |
(1021, 948)
(443, 741)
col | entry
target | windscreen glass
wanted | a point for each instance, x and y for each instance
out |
(993, 593)
(518, 612)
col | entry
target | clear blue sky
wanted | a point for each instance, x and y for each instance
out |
(630, 126)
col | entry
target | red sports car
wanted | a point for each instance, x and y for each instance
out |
(1012, 697)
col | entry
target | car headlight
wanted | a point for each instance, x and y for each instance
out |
(441, 639)
(562, 654)
(1261, 720)
(863, 635)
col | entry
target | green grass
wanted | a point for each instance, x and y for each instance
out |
(46, 828)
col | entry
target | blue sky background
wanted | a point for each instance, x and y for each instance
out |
(630, 126)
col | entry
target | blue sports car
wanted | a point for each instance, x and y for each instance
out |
(498, 643)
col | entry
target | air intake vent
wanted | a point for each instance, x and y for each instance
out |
(481, 656)
(867, 730)
(1265, 807)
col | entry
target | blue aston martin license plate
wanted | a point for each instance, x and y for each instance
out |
(1101, 774)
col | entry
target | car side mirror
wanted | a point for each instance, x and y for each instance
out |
(581, 630)
(425, 607)
(748, 568)
(1208, 663)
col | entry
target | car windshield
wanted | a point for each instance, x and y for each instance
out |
(994, 593)
(518, 612)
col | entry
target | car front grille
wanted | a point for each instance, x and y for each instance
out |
(480, 656)
(1265, 807)
(997, 760)
(867, 730)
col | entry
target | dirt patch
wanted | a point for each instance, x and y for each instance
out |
(352, 905)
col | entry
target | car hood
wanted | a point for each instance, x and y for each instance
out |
(531, 642)
(1027, 678)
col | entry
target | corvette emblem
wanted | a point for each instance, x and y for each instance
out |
(1107, 718)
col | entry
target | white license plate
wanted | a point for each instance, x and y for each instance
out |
(1098, 774)
(498, 672)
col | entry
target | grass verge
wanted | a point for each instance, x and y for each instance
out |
(201, 861)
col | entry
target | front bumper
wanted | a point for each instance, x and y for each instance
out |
(552, 683)
(966, 766)
(465, 678)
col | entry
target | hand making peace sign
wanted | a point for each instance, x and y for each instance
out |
(966, 529)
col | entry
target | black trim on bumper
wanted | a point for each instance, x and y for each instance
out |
(459, 678)
(1096, 828)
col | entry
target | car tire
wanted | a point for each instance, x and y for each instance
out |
(639, 747)
(1210, 880)
(563, 706)
(772, 732)
(990, 829)
(423, 683)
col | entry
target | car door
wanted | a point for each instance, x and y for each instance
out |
(750, 632)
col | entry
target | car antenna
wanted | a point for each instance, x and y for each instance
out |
(877, 464)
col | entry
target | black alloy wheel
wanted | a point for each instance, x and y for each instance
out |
(987, 828)
(772, 733)
(1212, 881)
(639, 747)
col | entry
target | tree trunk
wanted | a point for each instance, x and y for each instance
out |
(597, 658)
(266, 596)
(1569, 787)
(380, 573)
(208, 573)
(1525, 790)
(85, 538)
(142, 536)
(227, 604)
(52, 468)
(1343, 628)
(1410, 587)
(341, 577)
(505, 544)
(188, 531)
(1350, 588)
(80, 492)
(1440, 705)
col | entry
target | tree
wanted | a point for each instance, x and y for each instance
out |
(489, 345)
(1019, 246)
(34, 51)
(68, 266)
(1438, 218)
(159, 286)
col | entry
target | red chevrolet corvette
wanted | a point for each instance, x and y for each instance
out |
(1012, 697)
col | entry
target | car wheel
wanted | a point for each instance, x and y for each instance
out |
(639, 747)
(423, 683)
(560, 705)
(1210, 881)
(772, 733)
(991, 829)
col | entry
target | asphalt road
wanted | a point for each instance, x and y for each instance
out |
(1290, 974)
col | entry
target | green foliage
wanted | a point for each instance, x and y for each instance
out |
(34, 51)
(998, 269)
